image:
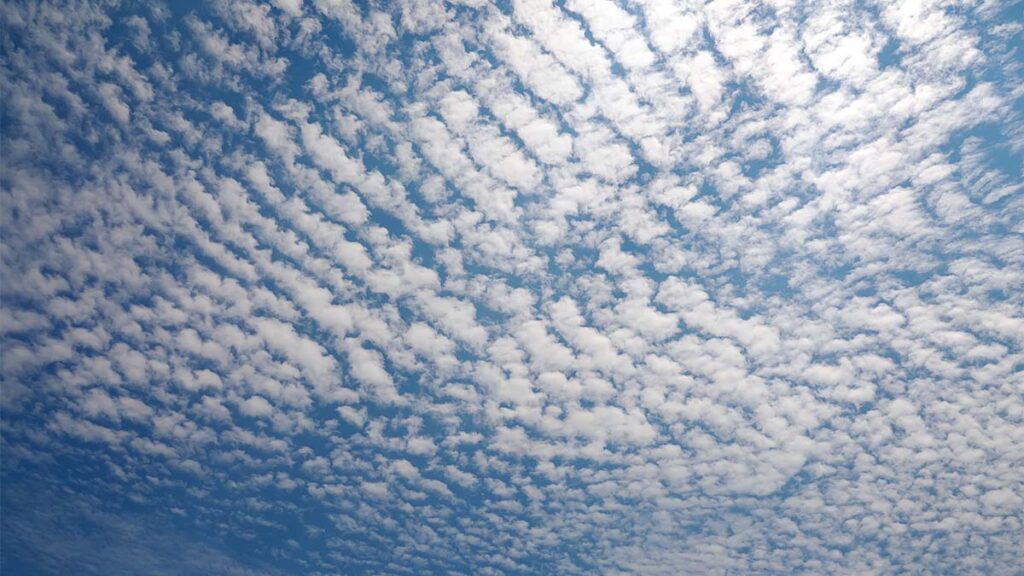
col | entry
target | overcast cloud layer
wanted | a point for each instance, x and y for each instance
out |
(583, 287)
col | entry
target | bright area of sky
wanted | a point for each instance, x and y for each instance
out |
(575, 287)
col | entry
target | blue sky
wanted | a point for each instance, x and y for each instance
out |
(576, 287)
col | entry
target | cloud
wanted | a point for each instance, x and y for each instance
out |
(578, 287)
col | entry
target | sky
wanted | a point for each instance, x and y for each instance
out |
(345, 287)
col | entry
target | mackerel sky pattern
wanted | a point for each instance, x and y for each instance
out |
(530, 287)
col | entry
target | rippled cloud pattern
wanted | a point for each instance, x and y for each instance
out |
(527, 287)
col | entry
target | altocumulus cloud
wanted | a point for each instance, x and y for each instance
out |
(533, 287)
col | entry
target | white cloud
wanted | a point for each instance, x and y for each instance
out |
(613, 287)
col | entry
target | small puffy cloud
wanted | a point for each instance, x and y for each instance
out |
(256, 406)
